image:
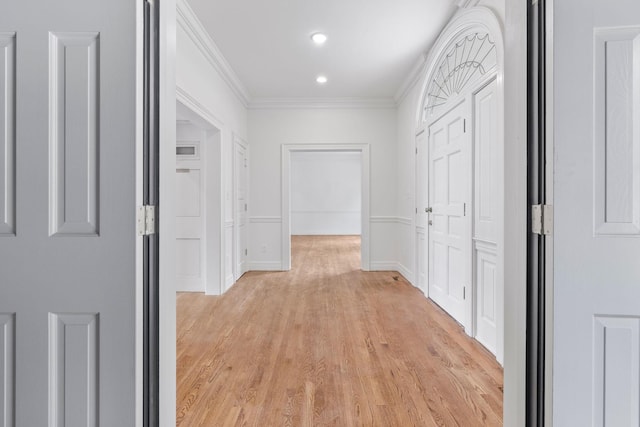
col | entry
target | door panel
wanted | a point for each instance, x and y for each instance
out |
(596, 213)
(67, 212)
(449, 175)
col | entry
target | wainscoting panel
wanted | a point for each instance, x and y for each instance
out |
(73, 370)
(7, 134)
(485, 262)
(74, 133)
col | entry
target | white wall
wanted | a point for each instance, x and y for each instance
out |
(270, 128)
(325, 193)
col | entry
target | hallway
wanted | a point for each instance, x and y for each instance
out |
(329, 345)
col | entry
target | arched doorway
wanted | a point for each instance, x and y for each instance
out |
(459, 188)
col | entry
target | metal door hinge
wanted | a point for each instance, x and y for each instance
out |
(542, 219)
(246, 252)
(464, 292)
(146, 220)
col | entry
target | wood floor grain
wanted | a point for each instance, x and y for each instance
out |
(326, 344)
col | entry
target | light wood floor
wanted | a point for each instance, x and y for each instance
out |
(328, 345)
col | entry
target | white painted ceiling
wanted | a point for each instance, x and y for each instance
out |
(372, 45)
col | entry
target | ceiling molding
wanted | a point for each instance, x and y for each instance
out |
(189, 22)
(411, 79)
(467, 3)
(321, 103)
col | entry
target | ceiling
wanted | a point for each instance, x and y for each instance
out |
(372, 46)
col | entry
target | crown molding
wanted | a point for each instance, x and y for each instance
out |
(189, 22)
(321, 103)
(411, 79)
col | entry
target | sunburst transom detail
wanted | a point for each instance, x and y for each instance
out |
(466, 61)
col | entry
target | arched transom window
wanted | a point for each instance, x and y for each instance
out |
(466, 61)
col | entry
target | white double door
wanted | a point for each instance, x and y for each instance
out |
(68, 289)
(448, 212)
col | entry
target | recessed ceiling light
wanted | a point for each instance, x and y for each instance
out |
(321, 79)
(319, 38)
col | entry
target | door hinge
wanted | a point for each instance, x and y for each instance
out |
(246, 252)
(542, 219)
(416, 150)
(464, 125)
(464, 209)
(146, 220)
(245, 207)
(464, 292)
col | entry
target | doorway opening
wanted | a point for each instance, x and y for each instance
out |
(317, 201)
(326, 194)
(199, 243)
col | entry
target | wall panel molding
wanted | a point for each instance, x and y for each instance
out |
(74, 111)
(7, 134)
(616, 371)
(7, 369)
(265, 220)
(73, 369)
(617, 132)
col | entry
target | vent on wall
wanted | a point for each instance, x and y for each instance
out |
(188, 150)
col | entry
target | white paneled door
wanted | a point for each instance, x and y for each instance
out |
(596, 263)
(67, 213)
(449, 230)
(241, 208)
(190, 212)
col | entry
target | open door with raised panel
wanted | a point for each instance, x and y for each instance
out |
(596, 263)
(69, 133)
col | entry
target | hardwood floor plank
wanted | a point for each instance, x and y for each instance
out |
(329, 345)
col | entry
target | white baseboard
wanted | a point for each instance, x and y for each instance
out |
(264, 266)
(406, 273)
(383, 266)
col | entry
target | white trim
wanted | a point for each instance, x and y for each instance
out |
(406, 273)
(383, 220)
(384, 266)
(264, 266)
(390, 220)
(287, 149)
(189, 22)
(205, 119)
(186, 99)
(265, 220)
(321, 103)
(404, 221)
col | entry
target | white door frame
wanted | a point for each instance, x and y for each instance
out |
(213, 165)
(287, 149)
